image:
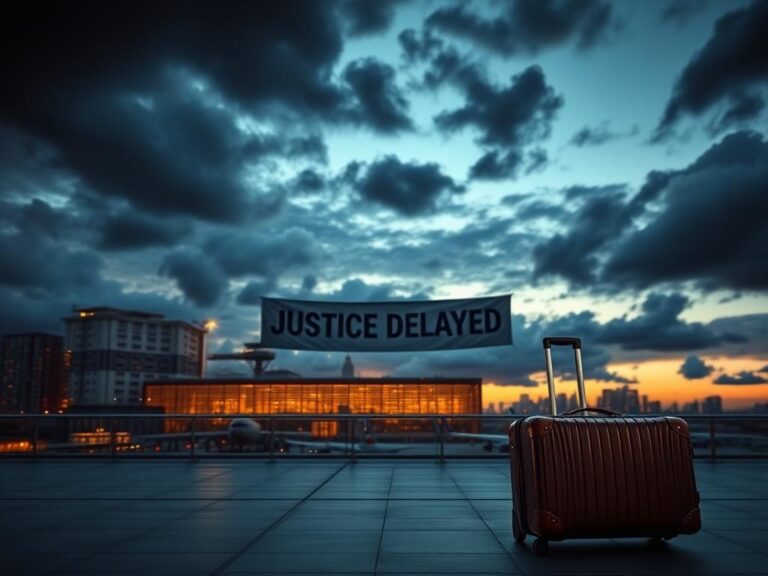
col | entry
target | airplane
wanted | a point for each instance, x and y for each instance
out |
(241, 432)
(491, 441)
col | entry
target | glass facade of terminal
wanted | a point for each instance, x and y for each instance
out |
(443, 396)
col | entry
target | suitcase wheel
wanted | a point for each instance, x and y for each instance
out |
(517, 531)
(541, 547)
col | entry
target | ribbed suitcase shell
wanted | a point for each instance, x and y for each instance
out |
(592, 477)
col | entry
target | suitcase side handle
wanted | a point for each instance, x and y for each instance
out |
(575, 343)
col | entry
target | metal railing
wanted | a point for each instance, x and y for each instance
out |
(352, 436)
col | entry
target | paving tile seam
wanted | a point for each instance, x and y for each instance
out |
(233, 558)
(737, 542)
(222, 472)
(483, 520)
(384, 521)
(137, 536)
(142, 534)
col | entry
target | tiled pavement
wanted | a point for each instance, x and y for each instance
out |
(370, 517)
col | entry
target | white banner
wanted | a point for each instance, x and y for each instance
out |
(386, 326)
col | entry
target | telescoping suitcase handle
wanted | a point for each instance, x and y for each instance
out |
(575, 343)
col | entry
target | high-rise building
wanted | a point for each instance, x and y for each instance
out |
(561, 400)
(712, 405)
(115, 351)
(625, 400)
(33, 373)
(691, 408)
(348, 369)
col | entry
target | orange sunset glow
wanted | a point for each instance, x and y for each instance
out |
(659, 379)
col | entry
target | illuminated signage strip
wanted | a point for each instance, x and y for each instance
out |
(386, 326)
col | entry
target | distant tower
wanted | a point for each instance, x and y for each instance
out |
(348, 370)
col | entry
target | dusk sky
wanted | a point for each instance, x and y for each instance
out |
(606, 163)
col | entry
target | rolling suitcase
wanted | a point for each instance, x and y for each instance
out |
(610, 476)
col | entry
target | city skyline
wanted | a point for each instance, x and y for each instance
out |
(603, 162)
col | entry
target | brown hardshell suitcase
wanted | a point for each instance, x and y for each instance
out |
(580, 476)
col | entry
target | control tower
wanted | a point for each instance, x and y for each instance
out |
(257, 358)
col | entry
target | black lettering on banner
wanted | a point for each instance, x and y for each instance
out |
(411, 325)
(370, 325)
(443, 326)
(459, 319)
(328, 317)
(295, 322)
(280, 324)
(476, 321)
(492, 320)
(394, 326)
(312, 322)
(340, 325)
(354, 332)
(425, 333)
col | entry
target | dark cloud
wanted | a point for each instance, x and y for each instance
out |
(764, 368)
(540, 209)
(508, 119)
(41, 267)
(289, 49)
(528, 26)
(365, 17)
(308, 284)
(753, 328)
(599, 221)
(357, 290)
(681, 11)
(201, 281)
(598, 135)
(743, 107)
(173, 152)
(444, 63)
(742, 378)
(20, 312)
(659, 328)
(704, 223)
(39, 217)
(732, 62)
(253, 292)
(694, 368)
(132, 231)
(409, 188)
(420, 45)
(264, 255)
(506, 116)
(155, 106)
(712, 228)
(380, 104)
(494, 165)
(538, 160)
(308, 182)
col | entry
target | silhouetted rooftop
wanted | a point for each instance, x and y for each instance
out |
(333, 516)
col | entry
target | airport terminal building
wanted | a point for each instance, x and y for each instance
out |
(296, 395)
